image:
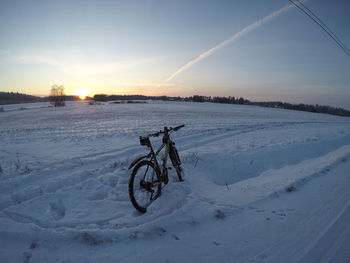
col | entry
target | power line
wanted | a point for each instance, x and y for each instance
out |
(319, 22)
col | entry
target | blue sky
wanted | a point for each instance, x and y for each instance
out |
(134, 47)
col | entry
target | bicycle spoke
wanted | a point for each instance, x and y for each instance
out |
(145, 173)
(142, 188)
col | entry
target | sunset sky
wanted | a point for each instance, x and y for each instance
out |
(177, 48)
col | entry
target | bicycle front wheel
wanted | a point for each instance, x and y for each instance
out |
(144, 185)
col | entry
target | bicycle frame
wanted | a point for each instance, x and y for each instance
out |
(154, 155)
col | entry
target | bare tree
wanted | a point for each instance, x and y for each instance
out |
(57, 96)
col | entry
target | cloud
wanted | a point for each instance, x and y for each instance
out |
(100, 68)
(36, 59)
(231, 39)
(4, 52)
(78, 64)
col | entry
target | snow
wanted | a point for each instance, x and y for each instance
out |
(261, 185)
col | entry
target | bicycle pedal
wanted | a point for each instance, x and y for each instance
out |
(156, 183)
(165, 179)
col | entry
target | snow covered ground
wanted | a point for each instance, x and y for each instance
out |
(261, 185)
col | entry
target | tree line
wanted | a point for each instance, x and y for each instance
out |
(304, 107)
(274, 104)
(231, 100)
(58, 98)
(15, 97)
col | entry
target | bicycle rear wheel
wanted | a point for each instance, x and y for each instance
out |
(144, 185)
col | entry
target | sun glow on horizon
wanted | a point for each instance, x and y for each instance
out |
(82, 93)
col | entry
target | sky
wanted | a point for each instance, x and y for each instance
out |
(261, 50)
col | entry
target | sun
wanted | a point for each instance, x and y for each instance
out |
(82, 93)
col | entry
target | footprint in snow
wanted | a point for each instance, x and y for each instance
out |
(98, 195)
(57, 209)
(26, 257)
(259, 258)
(280, 213)
(160, 231)
(175, 237)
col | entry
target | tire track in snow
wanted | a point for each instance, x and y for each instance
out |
(342, 213)
(297, 244)
(273, 181)
(215, 135)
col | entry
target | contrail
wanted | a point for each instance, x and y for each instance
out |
(236, 36)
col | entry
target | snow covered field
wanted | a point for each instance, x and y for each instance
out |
(261, 185)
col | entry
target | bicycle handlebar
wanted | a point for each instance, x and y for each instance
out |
(144, 140)
(166, 130)
(172, 129)
(178, 127)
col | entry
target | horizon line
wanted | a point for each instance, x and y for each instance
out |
(184, 97)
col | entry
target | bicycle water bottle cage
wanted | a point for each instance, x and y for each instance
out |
(165, 137)
(144, 141)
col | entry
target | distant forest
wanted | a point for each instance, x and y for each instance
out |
(13, 98)
(231, 100)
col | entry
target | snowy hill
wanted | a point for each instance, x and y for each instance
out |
(261, 185)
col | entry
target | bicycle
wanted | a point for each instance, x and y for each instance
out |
(148, 175)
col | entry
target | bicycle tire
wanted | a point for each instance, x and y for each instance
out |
(175, 160)
(140, 196)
